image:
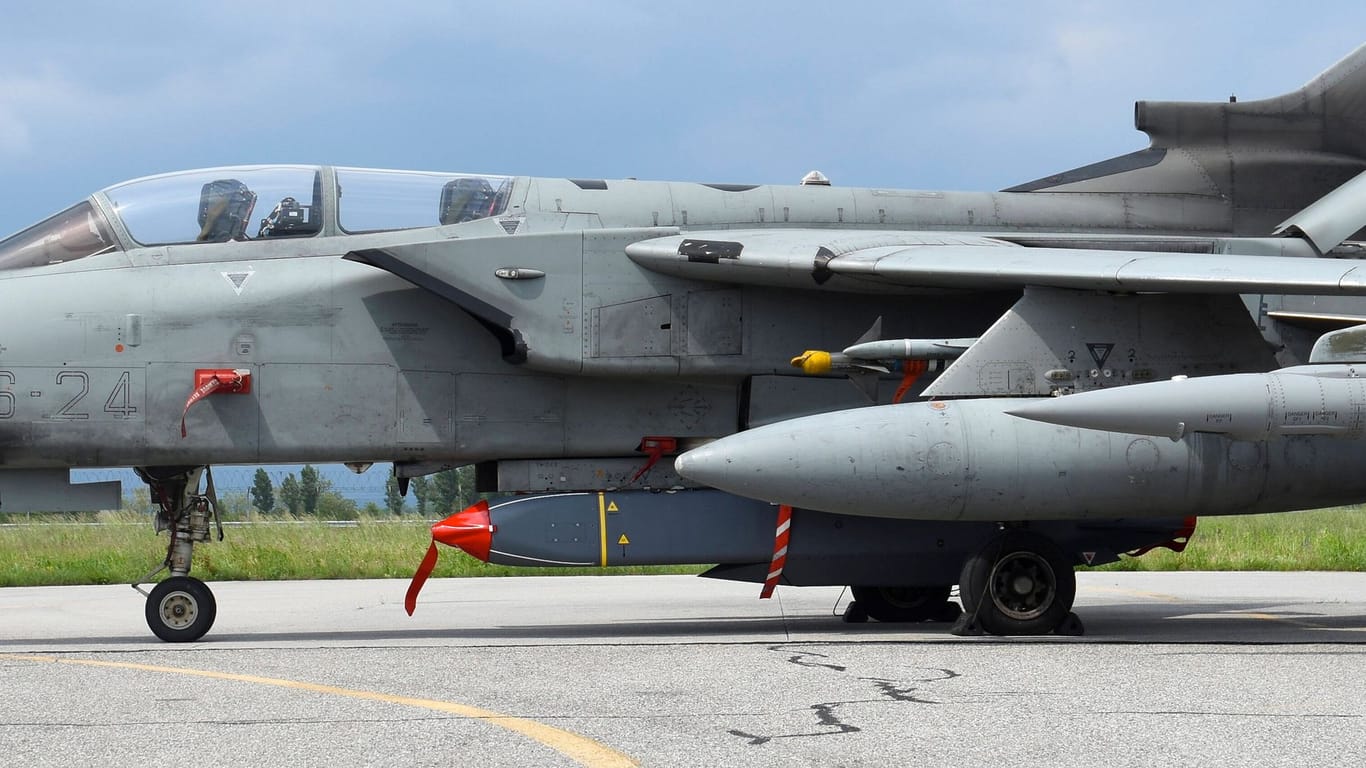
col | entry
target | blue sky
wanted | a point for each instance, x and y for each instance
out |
(960, 95)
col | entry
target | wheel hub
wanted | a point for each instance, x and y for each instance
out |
(1022, 585)
(178, 610)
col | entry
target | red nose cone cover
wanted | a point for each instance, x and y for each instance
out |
(469, 530)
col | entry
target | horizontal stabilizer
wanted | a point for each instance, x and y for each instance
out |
(1332, 219)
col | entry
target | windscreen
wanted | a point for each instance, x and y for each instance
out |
(75, 233)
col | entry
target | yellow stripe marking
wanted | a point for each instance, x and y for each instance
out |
(1278, 619)
(602, 525)
(1130, 592)
(580, 749)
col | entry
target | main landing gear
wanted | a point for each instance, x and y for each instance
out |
(181, 608)
(901, 604)
(1020, 583)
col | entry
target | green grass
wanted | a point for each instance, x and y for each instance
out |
(122, 548)
(1317, 540)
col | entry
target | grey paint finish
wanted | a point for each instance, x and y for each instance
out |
(1328, 400)
(424, 350)
(24, 490)
(971, 460)
(572, 323)
(1332, 218)
(1039, 348)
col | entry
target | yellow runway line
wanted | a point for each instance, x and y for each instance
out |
(1130, 593)
(581, 749)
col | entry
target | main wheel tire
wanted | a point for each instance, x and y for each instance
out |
(181, 609)
(899, 604)
(1020, 583)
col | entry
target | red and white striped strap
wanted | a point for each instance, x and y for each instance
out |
(780, 539)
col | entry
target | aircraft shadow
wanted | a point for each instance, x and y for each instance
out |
(1136, 623)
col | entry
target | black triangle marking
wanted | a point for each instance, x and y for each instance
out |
(1100, 353)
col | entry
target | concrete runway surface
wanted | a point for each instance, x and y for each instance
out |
(1224, 669)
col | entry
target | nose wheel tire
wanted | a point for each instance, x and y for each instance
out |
(181, 609)
(902, 604)
(1018, 584)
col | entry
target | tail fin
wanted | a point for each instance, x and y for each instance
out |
(1269, 157)
(1327, 115)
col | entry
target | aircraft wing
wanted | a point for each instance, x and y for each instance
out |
(875, 261)
(1122, 271)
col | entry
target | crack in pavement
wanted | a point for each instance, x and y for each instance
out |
(827, 718)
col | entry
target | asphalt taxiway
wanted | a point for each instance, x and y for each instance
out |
(1186, 668)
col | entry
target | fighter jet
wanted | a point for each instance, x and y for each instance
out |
(806, 384)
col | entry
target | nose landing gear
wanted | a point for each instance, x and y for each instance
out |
(181, 608)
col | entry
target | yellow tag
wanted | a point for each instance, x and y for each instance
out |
(623, 540)
(612, 507)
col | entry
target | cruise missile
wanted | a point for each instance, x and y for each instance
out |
(1328, 400)
(973, 460)
(737, 535)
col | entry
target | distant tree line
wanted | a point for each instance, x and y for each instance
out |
(309, 494)
(435, 495)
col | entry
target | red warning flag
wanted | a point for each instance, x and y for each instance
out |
(207, 382)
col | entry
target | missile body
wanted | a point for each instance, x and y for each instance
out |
(1327, 400)
(971, 460)
(909, 349)
(616, 528)
(885, 356)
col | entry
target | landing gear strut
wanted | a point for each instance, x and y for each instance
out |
(181, 608)
(1020, 583)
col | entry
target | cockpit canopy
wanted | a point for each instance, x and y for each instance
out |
(217, 205)
(372, 200)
